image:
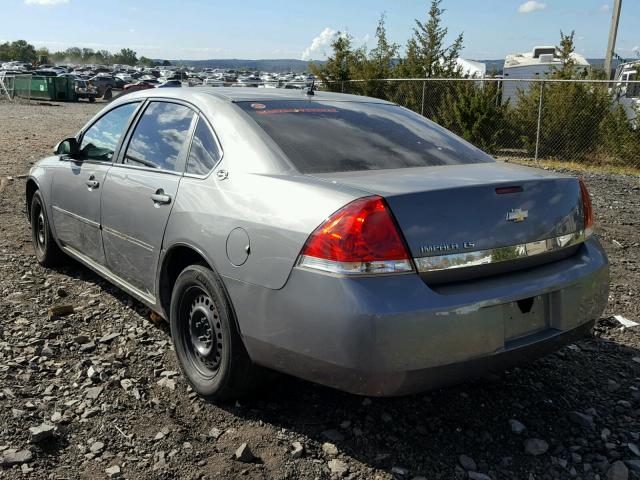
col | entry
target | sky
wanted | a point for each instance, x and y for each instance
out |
(250, 29)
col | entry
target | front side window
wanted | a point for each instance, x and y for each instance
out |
(100, 140)
(160, 136)
(204, 153)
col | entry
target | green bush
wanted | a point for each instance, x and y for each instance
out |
(571, 117)
(473, 111)
(620, 141)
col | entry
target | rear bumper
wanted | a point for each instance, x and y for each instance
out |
(395, 335)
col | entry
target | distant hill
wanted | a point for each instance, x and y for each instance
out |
(265, 65)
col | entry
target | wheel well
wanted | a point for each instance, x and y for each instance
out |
(177, 259)
(32, 187)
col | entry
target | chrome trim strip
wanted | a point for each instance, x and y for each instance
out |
(76, 216)
(475, 258)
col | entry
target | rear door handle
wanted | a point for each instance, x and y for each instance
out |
(160, 197)
(92, 182)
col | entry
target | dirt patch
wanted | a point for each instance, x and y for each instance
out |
(106, 378)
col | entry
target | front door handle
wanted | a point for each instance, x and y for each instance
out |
(92, 182)
(160, 197)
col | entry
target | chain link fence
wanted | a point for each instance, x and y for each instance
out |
(15, 86)
(584, 121)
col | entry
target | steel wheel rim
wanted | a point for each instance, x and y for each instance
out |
(41, 229)
(201, 332)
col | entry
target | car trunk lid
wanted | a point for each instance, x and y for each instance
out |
(464, 209)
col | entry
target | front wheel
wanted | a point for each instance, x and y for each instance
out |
(208, 346)
(47, 251)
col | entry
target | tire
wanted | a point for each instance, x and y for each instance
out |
(208, 346)
(47, 251)
(92, 99)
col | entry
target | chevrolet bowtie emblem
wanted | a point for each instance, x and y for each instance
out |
(517, 215)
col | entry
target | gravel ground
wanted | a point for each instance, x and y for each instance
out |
(96, 394)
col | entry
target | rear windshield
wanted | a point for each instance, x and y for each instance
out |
(321, 136)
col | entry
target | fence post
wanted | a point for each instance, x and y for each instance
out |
(342, 87)
(424, 82)
(539, 120)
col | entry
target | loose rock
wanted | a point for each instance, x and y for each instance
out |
(244, 454)
(338, 467)
(12, 457)
(41, 433)
(535, 446)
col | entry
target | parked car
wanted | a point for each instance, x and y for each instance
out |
(170, 84)
(84, 89)
(138, 86)
(212, 82)
(342, 239)
(103, 82)
(120, 83)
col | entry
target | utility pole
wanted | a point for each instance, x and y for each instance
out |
(613, 33)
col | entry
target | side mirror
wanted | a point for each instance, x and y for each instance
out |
(68, 146)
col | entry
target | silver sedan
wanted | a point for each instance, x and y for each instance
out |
(341, 239)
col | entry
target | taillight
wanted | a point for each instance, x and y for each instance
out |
(587, 209)
(359, 238)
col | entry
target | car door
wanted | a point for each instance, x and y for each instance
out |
(78, 183)
(140, 190)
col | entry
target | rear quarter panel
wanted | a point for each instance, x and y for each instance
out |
(277, 212)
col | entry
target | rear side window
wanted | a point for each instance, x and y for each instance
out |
(204, 153)
(100, 139)
(160, 136)
(322, 136)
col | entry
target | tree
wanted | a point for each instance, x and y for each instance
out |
(620, 141)
(166, 63)
(126, 56)
(104, 57)
(87, 55)
(571, 112)
(341, 65)
(378, 64)
(474, 112)
(427, 55)
(19, 50)
(147, 62)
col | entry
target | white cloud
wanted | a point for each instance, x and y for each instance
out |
(318, 44)
(531, 6)
(45, 2)
(604, 8)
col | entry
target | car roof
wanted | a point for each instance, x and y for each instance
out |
(251, 94)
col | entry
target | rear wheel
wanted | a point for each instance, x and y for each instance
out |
(47, 251)
(205, 337)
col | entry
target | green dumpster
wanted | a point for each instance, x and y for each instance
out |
(60, 89)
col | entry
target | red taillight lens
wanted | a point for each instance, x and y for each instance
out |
(587, 208)
(359, 238)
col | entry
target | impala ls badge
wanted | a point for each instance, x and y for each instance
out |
(446, 247)
(517, 215)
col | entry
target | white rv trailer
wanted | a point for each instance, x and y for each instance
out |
(531, 65)
(626, 91)
(471, 68)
